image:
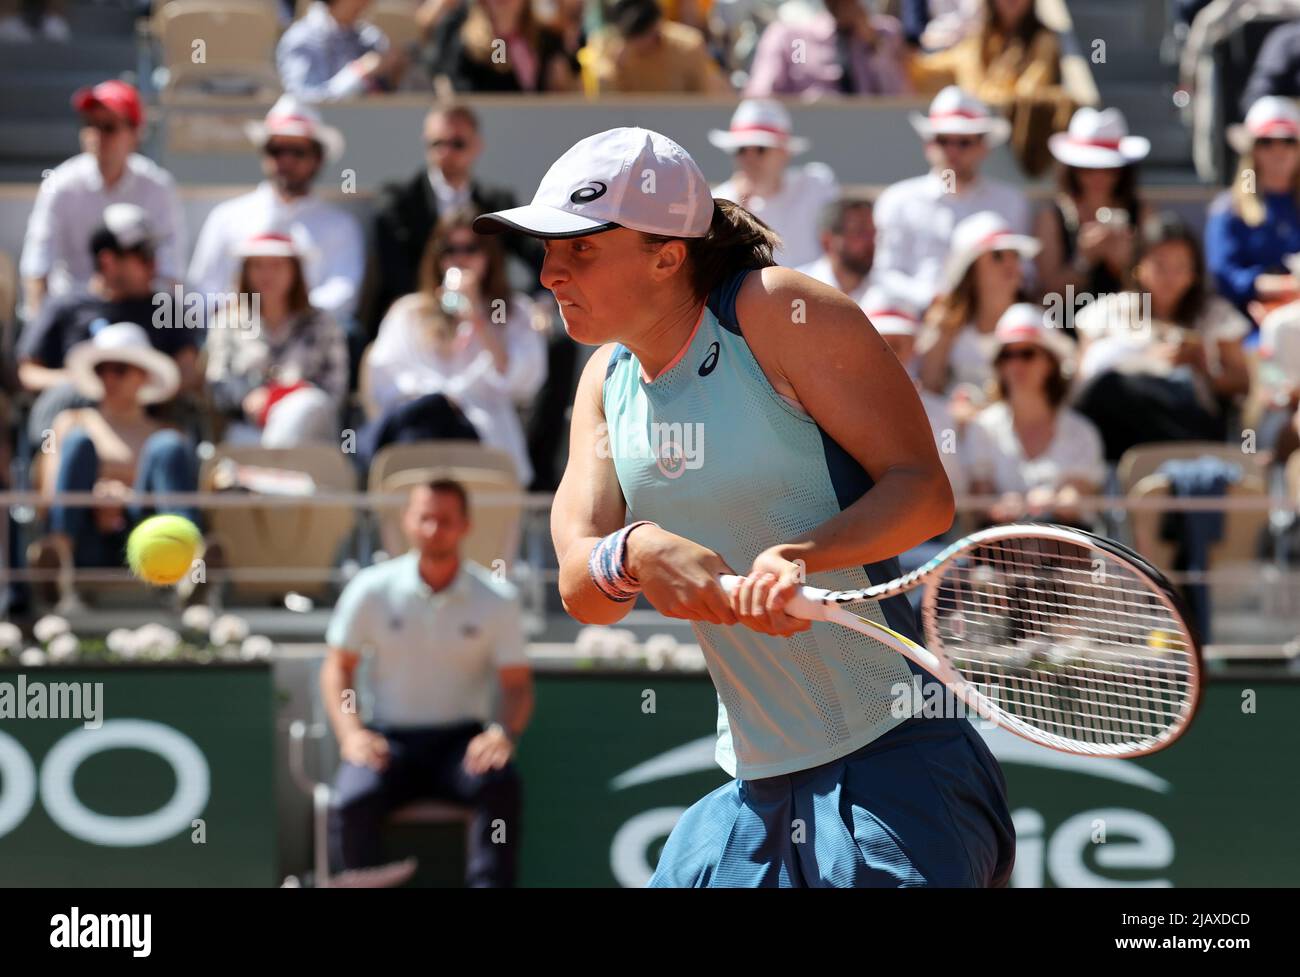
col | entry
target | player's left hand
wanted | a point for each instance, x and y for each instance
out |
(489, 750)
(770, 583)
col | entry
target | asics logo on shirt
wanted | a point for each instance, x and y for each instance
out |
(585, 195)
(710, 361)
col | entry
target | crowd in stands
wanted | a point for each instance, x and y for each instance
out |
(1030, 393)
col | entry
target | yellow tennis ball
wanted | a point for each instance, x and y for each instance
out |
(161, 549)
(1162, 640)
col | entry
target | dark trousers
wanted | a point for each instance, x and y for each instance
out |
(1135, 408)
(426, 764)
(431, 417)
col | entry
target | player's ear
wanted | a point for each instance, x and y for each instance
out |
(669, 259)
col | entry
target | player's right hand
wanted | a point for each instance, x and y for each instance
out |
(365, 748)
(679, 577)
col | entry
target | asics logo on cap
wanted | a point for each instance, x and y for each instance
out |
(585, 195)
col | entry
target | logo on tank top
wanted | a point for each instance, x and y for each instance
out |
(585, 195)
(674, 447)
(671, 460)
(710, 361)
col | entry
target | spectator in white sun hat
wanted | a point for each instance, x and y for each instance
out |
(848, 243)
(983, 277)
(277, 370)
(1087, 231)
(915, 218)
(1028, 447)
(1255, 225)
(295, 146)
(786, 198)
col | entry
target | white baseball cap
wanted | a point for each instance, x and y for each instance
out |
(628, 177)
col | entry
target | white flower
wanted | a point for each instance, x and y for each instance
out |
(197, 617)
(228, 629)
(64, 647)
(120, 641)
(659, 651)
(689, 658)
(49, 627)
(256, 646)
(595, 641)
(624, 643)
(32, 657)
(11, 636)
(161, 641)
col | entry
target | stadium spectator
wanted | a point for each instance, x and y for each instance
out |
(848, 243)
(276, 367)
(408, 212)
(23, 21)
(332, 53)
(1279, 381)
(1012, 54)
(1087, 232)
(1255, 225)
(444, 639)
(1277, 66)
(640, 51)
(787, 198)
(984, 277)
(1013, 64)
(295, 145)
(935, 25)
(110, 448)
(915, 217)
(498, 46)
(844, 50)
(1163, 360)
(72, 198)
(121, 289)
(462, 346)
(1028, 447)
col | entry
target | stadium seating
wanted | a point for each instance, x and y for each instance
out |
(223, 49)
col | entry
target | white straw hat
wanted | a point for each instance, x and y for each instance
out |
(1271, 116)
(1025, 322)
(892, 314)
(979, 234)
(953, 112)
(759, 122)
(290, 116)
(123, 342)
(627, 177)
(1098, 140)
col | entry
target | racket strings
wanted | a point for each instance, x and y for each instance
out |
(1073, 646)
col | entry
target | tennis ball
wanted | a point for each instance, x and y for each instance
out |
(161, 549)
(1162, 640)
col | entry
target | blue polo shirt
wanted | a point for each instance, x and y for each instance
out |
(432, 657)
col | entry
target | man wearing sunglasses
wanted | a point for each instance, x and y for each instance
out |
(72, 198)
(409, 211)
(915, 217)
(296, 147)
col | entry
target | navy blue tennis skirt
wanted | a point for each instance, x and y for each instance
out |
(923, 805)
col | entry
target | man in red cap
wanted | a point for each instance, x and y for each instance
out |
(56, 257)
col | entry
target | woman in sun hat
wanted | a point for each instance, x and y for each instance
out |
(748, 417)
(788, 199)
(1254, 227)
(1087, 231)
(277, 370)
(983, 277)
(114, 446)
(1028, 447)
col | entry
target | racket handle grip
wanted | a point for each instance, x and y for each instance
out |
(807, 604)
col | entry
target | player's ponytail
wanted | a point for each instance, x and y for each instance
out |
(736, 240)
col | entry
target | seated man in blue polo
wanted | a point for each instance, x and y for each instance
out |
(443, 639)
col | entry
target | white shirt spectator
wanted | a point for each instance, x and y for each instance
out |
(335, 263)
(915, 219)
(945, 437)
(970, 360)
(993, 452)
(403, 364)
(390, 614)
(315, 55)
(1120, 333)
(70, 205)
(822, 271)
(792, 212)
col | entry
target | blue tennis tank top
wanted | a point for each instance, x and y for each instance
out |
(712, 452)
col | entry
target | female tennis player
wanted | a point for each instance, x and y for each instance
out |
(751, 421)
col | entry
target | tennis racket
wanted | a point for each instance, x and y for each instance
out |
(1064, 638)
